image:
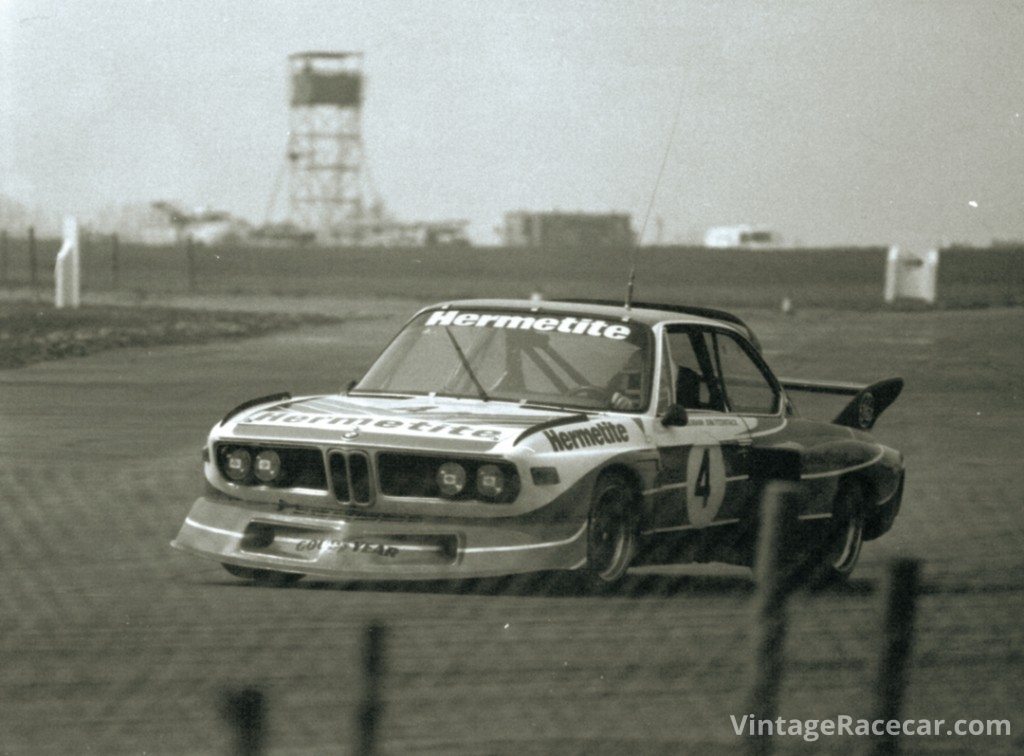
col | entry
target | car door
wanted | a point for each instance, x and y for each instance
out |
(752, 395)
(749, 390)
(702, 480)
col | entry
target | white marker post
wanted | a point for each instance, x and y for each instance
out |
(911, 276)
(67, 271)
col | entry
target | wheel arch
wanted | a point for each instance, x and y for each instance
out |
(629, 474)
(862, 480)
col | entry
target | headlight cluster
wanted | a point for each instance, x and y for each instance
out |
(266, 467)
(414, 475)
(250, 465)
(452, 479)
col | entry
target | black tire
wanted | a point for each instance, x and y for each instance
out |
(611, 530)
(846, 536)
(263, 577)
(837, 547)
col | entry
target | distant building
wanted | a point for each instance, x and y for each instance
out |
(392, 233)
(557, 229)
(744, 237)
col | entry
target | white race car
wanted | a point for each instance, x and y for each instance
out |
(494, 437)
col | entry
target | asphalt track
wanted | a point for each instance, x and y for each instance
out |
(110, 642)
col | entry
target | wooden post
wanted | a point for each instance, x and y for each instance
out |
(778, 514)
(190, 258)
(370, 707)
(244, 711)
(115, 261)
(33, 273)
(3, 256)
(897, 640)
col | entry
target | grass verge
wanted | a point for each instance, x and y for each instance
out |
(32, 332)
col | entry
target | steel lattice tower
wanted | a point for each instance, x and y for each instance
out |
(325, 145)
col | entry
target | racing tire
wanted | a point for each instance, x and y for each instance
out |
(263, 577)
(611, 530)
(837, 550)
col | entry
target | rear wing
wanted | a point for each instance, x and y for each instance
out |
(869, 401)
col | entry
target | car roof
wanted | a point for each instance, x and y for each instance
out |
(641, 312)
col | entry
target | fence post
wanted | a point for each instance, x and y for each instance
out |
(370, 707)
(190, 259)
(778, 513)
(33, 274)
(115, 261)
(3, 256)
(898, 634)
(245, 712)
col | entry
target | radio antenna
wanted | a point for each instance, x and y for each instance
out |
(650, 204)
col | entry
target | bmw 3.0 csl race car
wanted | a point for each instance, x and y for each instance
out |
(494, 437)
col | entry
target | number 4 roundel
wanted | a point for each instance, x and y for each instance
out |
(705, 484)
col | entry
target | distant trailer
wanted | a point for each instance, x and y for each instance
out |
(743, 237)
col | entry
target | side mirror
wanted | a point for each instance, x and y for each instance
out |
(351, 385)
(675, 417)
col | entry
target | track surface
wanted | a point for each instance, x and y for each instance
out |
(110, 642)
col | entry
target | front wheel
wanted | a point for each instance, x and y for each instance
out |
(611, 529)
(263, 577)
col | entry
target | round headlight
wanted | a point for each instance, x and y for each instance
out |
(490, 481)
(238, 464)
(451, 478)
(268, 465)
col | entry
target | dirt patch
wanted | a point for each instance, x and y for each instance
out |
(32, 333)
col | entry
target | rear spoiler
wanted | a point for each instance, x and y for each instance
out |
(867, 404)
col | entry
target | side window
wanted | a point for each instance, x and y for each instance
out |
(745, 387)
(696, 376)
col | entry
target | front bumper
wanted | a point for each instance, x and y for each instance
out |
(369, 548)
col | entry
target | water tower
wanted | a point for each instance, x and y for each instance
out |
(325, 144)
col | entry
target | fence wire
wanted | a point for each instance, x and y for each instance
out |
(110, 642)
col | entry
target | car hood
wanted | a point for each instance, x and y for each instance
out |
(412, 423)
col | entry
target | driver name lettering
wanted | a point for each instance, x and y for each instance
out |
(581, 438)
(580, 326)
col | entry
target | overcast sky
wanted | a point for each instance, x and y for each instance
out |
(859, 122)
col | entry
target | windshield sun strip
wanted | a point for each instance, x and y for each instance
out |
(644, 331)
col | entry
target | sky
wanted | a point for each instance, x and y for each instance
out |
(830, 123)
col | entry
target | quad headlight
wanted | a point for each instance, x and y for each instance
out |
(490, 481)
(250, 464)
(268, 466)
(425, 476)
(451, 479)
(238, 464)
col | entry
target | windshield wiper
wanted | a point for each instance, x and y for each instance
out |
(465, 364)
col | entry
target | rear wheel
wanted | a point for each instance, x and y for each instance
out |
(846, 537)
(611, 529)
(263, 577)
(837, 549)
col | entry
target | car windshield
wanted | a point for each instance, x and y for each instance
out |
(570, 361)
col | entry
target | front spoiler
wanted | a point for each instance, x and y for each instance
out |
(368, 548)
